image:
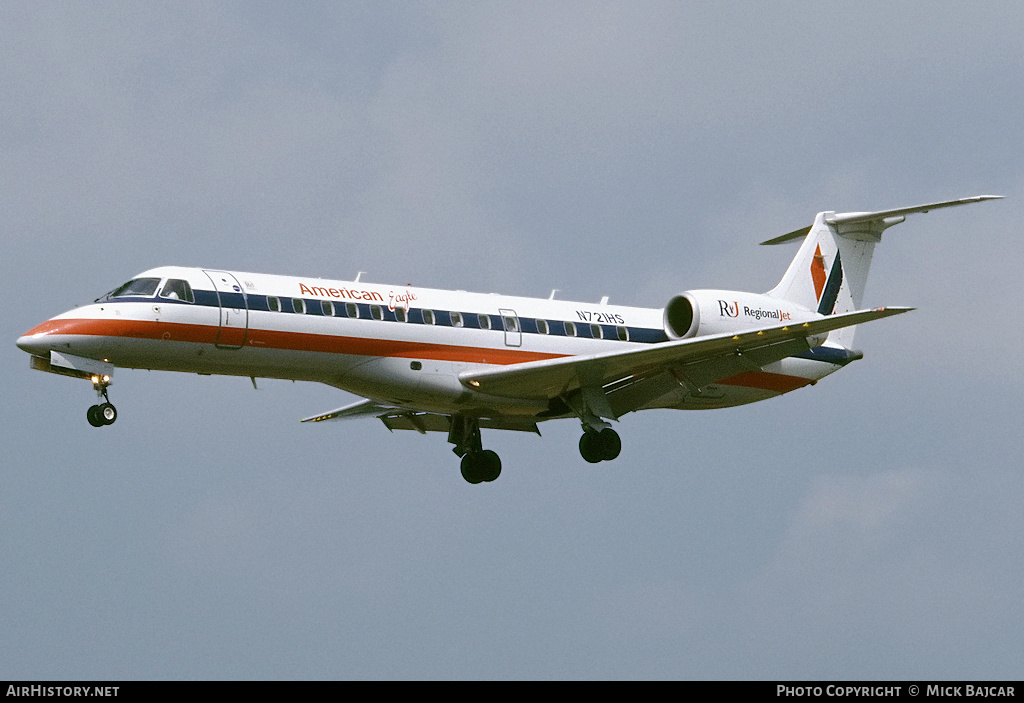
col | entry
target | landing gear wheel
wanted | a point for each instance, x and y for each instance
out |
(611, 445)
(107, 413)
(600, 446)
(490, 465)
(470, 468)
(481, 466)
(591, 447)
(94, 416)
(104, 413)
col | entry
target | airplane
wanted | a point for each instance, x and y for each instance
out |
(456, 362)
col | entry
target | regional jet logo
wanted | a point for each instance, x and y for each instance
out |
(729, 309)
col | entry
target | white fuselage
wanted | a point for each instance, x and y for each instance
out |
(404, 345)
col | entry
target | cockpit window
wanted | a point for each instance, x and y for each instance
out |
(177, 289)
(139, 287)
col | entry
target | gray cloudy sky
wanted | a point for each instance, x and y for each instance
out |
(869, 527)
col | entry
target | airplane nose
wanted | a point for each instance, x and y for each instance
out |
(35, 344)
(38, 341)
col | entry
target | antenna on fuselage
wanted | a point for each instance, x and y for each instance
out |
(553, 291)
(358, 275)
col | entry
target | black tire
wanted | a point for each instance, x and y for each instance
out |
(471, 468)
(611, 445)
(489, 465)
(106, 413)
(93, 413)
(590, 447)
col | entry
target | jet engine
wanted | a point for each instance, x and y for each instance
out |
(697, 313)
(682, 316)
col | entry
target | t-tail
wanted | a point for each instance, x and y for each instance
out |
(830, 269)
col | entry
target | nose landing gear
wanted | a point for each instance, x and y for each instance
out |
(103, 413)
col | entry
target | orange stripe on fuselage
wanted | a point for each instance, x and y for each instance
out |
(291, 341)
(133, 329)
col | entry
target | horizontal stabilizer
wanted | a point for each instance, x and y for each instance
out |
(789, 237)
(878, 218)
(850, 218)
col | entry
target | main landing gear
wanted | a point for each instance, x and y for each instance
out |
(600, 445)
(104, 413)
(478, 464)
(481, 466)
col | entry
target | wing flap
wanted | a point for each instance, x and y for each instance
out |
(705, 359)
(424, 422)
(397, 418)
(421, 422)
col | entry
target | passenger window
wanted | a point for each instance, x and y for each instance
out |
(177, 289)
(542, 326)
(511, 324)
(456, 319)
(400, 314)
(273, 304)
(428, 317)
(376, 312)
(298, 305)
(596, 332)
(327, 308)
(623, 333)
(352, 310)
(570, 329)
(485, 321)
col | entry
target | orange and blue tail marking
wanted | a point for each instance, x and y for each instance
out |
(826, 290)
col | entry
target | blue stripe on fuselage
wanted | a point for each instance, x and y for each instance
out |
(442, 318)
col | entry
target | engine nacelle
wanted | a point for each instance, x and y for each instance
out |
(697, 313)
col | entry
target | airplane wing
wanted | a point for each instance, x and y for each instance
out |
(362, 408)
(700, 360)
(396, 417)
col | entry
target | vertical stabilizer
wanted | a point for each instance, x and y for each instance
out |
(830, 269)
(828, 274)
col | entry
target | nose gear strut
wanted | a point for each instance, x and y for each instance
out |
(103, 413)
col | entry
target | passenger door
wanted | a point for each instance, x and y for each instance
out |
(234, 310)
(513, 330)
